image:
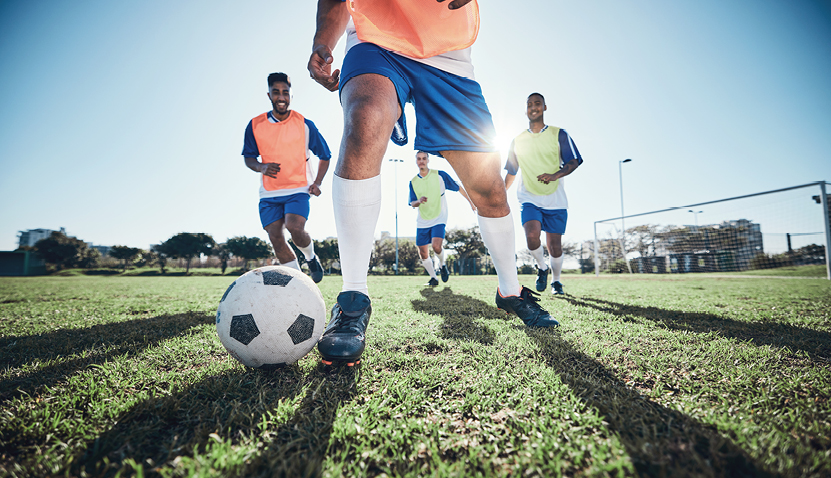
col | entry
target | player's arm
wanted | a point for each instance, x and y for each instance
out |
(568, 155)
(511, 166)
(269, 169)
(332, 17)
(250, 152)
(322, 167)
(318, 146)
(415, 201)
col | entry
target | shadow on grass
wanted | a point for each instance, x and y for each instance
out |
(224, 411)
(459, 313)
(659, 440)
(815, 343)
(93, 345)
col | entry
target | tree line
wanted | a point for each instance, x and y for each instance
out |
(59, 251)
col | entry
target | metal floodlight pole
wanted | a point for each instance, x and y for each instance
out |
(596, 253)
(824, 201)
(396, 161)
(622, 225)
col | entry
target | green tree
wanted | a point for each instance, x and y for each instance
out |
(125, 254)
(466, 243)
(61, 251)
(187, 245)
(248, 248)
(90, 258)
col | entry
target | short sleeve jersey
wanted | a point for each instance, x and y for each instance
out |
(548, 161)
(446, 184)
(314, 143)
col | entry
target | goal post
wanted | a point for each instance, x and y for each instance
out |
(765, 230)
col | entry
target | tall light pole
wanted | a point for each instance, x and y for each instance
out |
(696, 213)
(622, 223)
(396, 161)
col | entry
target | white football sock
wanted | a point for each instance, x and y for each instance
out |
(498, 236)
(440, 255)
(308, 251)
(428, 265)
(293, 264)
(556, 267)
(357, 204)
(539, 255)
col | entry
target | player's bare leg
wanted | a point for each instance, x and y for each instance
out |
(533, 230)
(296, 225)
(427, 262)
(370, 109)
(282, 250)
(480, 175)
(437, 248)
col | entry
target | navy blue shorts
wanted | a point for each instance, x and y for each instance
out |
(451, 113)
(274, 209)
(552, 220)
(425, 235)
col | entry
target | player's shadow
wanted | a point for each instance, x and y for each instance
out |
(231, 409)
(659, 440)
(92, 345)
(815, 343)
(460, 314)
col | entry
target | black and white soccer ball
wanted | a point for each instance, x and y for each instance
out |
(270, 317)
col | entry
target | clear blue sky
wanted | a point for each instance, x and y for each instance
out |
(123, 122)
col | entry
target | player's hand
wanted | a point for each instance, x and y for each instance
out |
(314, 189)
(320, 66)
(547, 178)
(422, 199)
(455, 4)
(473, 207)
(270, 169)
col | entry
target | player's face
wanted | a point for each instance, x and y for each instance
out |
(280, 96)
(535, 107)
(422, 160)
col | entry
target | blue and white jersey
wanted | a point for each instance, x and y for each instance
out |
(447, 184)
(556, 200)
(314, 144)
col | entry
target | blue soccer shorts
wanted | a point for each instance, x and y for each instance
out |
(276, 208)
(451, 113)
(552, 220)
(425, 235)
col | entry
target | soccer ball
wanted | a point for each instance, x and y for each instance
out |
(270, 317)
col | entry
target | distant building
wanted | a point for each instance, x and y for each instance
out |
(21, 263)
(32, 236)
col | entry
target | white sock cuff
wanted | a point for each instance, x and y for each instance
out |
(356, 192)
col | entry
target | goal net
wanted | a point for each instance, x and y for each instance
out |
(786, 227)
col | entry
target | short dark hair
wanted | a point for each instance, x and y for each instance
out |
(281, 77)
(422, 151)
(529, 96)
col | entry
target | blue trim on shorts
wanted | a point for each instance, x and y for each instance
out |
(425, 235)
(451, 112)
(551, 220)
(276, 208)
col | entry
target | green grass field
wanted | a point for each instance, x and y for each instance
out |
(648, 375)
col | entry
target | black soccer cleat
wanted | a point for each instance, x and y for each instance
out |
(315, 270)
(557, 288)
(542, 279)
(344, 339)
(445, 274)
(526, 307)
(432, 282)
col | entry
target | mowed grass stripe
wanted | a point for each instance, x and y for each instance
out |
(647, 375)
